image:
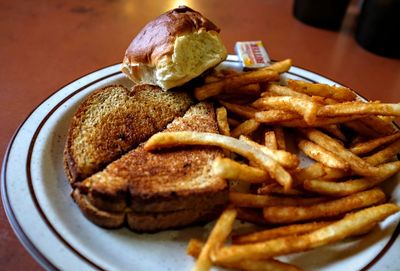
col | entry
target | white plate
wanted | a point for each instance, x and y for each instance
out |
(36, 196)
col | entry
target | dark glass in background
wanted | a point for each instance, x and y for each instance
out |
(327, 14)
(378, 27)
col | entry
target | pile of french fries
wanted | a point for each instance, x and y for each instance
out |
(267, 126)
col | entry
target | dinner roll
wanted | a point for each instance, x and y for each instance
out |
(174, 48)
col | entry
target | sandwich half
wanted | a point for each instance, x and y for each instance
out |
(161, 190)
(114, 120)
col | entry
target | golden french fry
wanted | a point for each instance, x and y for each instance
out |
(274, 233)
(261, 265)
(379, 124)
(252, 89)
(318, 122)
(334, 130)
(306, 108)
(222, 121)
(280, 66)
(227, 72)
(280, 137)
(357, 164)
(270, 140)
(284, 158)
(334, 173)
(216, 239)
(173, 139)
(245, 128)
(339, 189)
(195, 246)
(235, 81)
(313, 171)
(322, 155)
(251, 215)
(358, 108)
(368, 146)
(241, 110)
(288, 214)
(275, 188)
(335, 92)
(232, 170)
(275, 116)
(260, 201)
(348, 226)
(384, 155)
(360, 128)
(286, 91)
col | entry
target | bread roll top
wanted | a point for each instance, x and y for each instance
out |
(157, 38)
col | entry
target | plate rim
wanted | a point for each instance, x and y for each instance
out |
(10, 214)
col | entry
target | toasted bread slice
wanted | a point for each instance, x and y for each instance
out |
(112, 121)
(171, 183)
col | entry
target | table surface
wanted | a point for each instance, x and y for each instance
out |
(47, 44)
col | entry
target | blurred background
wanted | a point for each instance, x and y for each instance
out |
(45, 45)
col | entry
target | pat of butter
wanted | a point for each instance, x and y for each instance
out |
(252, 54)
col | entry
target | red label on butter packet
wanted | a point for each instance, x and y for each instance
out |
(252, 54)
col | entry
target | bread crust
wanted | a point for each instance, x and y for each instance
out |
(142, 222)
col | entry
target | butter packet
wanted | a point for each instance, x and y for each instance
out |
(252, 54)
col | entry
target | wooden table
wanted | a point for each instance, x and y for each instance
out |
(47, 44)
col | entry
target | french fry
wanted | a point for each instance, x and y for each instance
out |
(335, 92)
(357, 164)
(250, 215)
(275, 116)
(306, 108)
(195, 246)
(368, 146)
(278, 232)
(288, 214)
(348, 226)
(261, 265)
(245, 128)
(318, 122)
(233, 122)
(270, 140)
(334, 130)
(280, 138)
(234, 81)
(241, 110)
(286, 91)
(275, 188)
(232, 170)
(173, 139)
(284, 158)
(339, 189)
(360, 128)
(280, 66)
(322, 155)
(384, 155)
(313, 171)
(359, 108)
(260, 201)
(216, 239)
(222, 121)
(379, 124)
